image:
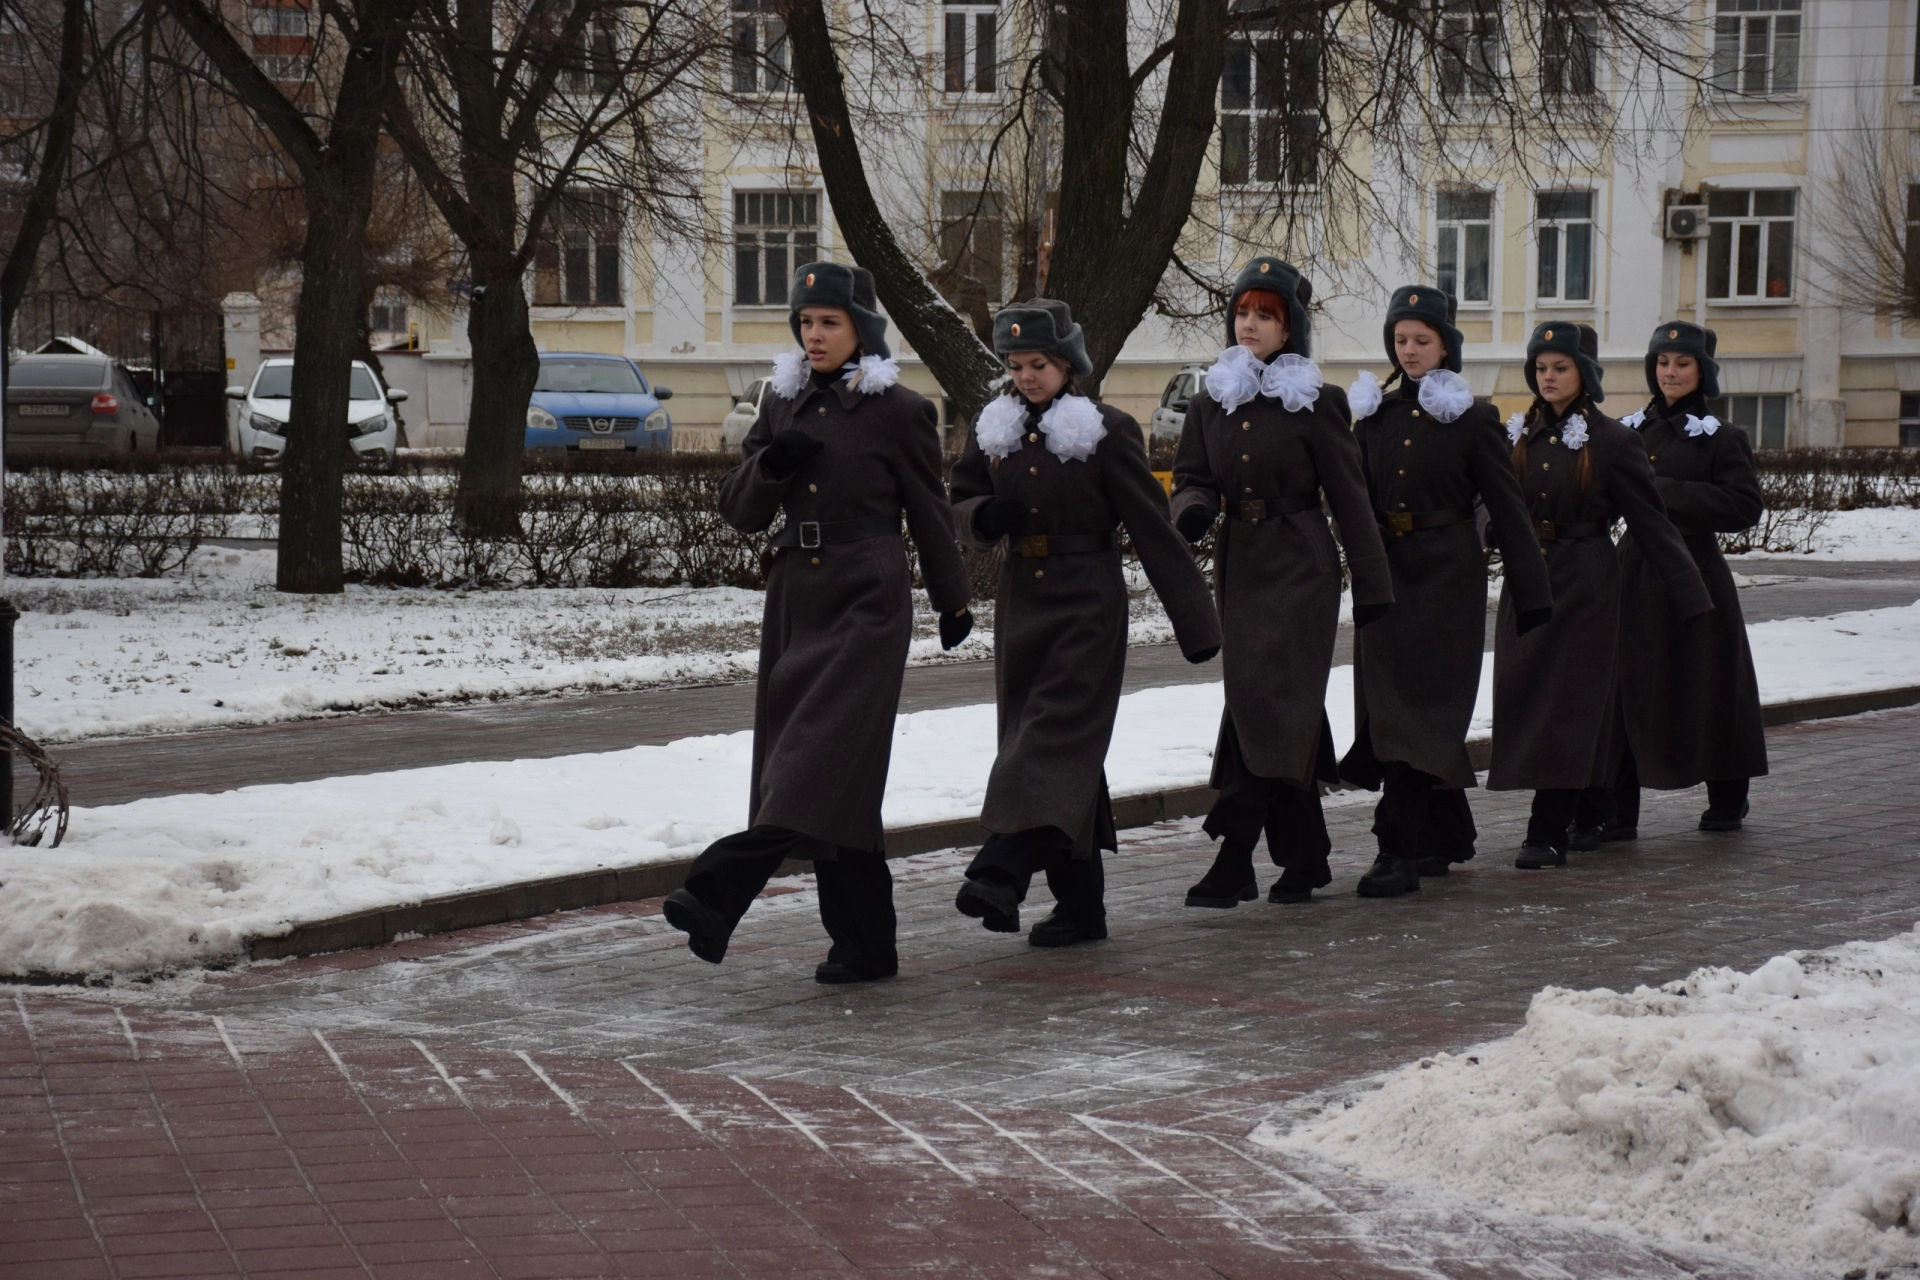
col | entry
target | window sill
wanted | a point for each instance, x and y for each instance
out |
(1729, 304)
(552, 311)
(1572, 304)
(1791, 106)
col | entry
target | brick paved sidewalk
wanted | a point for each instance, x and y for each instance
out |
(576, 1096)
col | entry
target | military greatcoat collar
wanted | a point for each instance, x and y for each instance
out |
(849, 397)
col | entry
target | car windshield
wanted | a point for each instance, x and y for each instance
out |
(594, 377)
(84, 374)
(276, 383)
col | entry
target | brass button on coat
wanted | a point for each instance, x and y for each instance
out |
(1032, 438)
(1408, 442)
(1246, 458)
(822, 411)
(1034, 470)
(1039, 573)
(816, 559)
(1546, 466)
(1416, 413)
(813, 488)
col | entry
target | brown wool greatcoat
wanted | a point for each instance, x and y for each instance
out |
(833, 642)
(1278, 578)
(1691, 701)
(1417, 670)
(1554, 689)
(1060, 621)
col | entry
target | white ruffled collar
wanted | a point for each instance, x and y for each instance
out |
(1573, 429)
(1695, 427)
(1238, 376)
(870, 375)
(1072, 426)
(1445, 394)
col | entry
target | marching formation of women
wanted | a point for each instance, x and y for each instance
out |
(1616, 665)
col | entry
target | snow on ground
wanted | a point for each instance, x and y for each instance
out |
(1871, 533)
(1775, 1114)
(220, 647)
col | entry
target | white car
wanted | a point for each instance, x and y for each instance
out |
(1170, 416)
(740, 418)
(257, 432)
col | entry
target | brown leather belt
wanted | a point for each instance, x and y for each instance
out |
(1040, 545)
(1563, 530)
(1254, 510)
(813, 533)
(1400, 522)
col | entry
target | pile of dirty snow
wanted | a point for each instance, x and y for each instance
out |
(1775, 1114)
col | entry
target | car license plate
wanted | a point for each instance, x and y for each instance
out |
(603, 444)
(43, 411)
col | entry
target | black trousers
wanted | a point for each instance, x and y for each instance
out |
(1078, 885)
(1618, 805)
(1419, 818)
(1553, 812)
(855, 887)
(1248, 804)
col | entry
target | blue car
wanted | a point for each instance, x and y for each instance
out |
(586, 403)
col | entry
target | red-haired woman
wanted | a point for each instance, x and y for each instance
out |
(1262, 443)
(1555, 689)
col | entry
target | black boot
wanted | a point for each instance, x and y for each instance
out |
(706, 928)
(1534, 856)
(1433, 866)
(1729, 819)
(995, 905)
(834, 973)
(1229, 881)
(1297, 884)
(1390, 876)
(1586, 838)
(1063, 931)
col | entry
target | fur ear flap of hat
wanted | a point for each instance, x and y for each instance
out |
(1041, 324)
(1579, 342)
(834, 284)
(1684, 338)
(1283, 278)
(1430, 307)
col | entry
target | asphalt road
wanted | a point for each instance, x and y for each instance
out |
(114, 771)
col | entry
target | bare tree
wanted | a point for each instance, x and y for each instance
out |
(1870, 214)
(517, 117)
(336, 174)
(56, 130)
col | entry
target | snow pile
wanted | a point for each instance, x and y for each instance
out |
(1775, 1113)
(1867, 533)
(183, 880)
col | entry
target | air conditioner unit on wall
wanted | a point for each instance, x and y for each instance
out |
(1686, 222)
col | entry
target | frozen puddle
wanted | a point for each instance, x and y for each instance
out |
(1775, 1114)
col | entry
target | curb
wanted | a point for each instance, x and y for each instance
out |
(530, 898)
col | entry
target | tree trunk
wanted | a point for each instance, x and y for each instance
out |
(44, 198)
(505, 365)
(964, 365)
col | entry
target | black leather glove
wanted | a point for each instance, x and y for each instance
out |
(955, 627)
(1365, 613)
(1530, 619)
(1194, 521)
(786, 451)
(997, 517)
(1205, 655)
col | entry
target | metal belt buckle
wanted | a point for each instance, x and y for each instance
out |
(1034, 546)
(1253, 509)
(809, 533)
(1544, 530)
(1400, 521)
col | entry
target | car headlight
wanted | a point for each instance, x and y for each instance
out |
(370, 426)
(260, 422)
(657, 420)
(539, 419)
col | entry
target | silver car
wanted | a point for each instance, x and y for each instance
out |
(1171, 413)
(258, 431)
(740, 419)
(61, 406)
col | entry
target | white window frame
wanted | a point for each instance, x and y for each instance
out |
(1728, 408)
(1762, 226)
(1908, 424)
(1584, 15)
(1445, 228)
(770, 56)
(1458, 20)
(1276, 120)
(1744, 29)
(284, 21)
(795, 250)
(1560, 233)
(974, 61)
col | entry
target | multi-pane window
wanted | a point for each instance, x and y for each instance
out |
(1469, 41)
(577, 263)
(1465, 249)
(1756, 47)
(1909, 420)
(971, 47)
(1763, 418)
(594, 67)
(278, 20)
(285, 68)
(760, 55)
(1569, 49)
(1270, 111)
(1750, 244)
(773, 232)
(972, 273)
(16, 56)
(387, 315)
(1563, 229)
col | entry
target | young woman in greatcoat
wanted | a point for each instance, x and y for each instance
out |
(1262, 443)
(1054, 475)
(1555, 689)
(1688, 693)
(1431, 451)
(842, 450)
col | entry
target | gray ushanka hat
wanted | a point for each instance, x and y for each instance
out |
(834, 284)
(1041, 324)
(1690, 340)
(1578, 341)
(1430, 307)
(1282, 278)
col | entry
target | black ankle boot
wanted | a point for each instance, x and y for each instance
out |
(994, 905)
(1715, 819)
(1064, 931)
(1533, 856)
(1228, 882)
(706, 928)
(1296, 884)
(1389, 877)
